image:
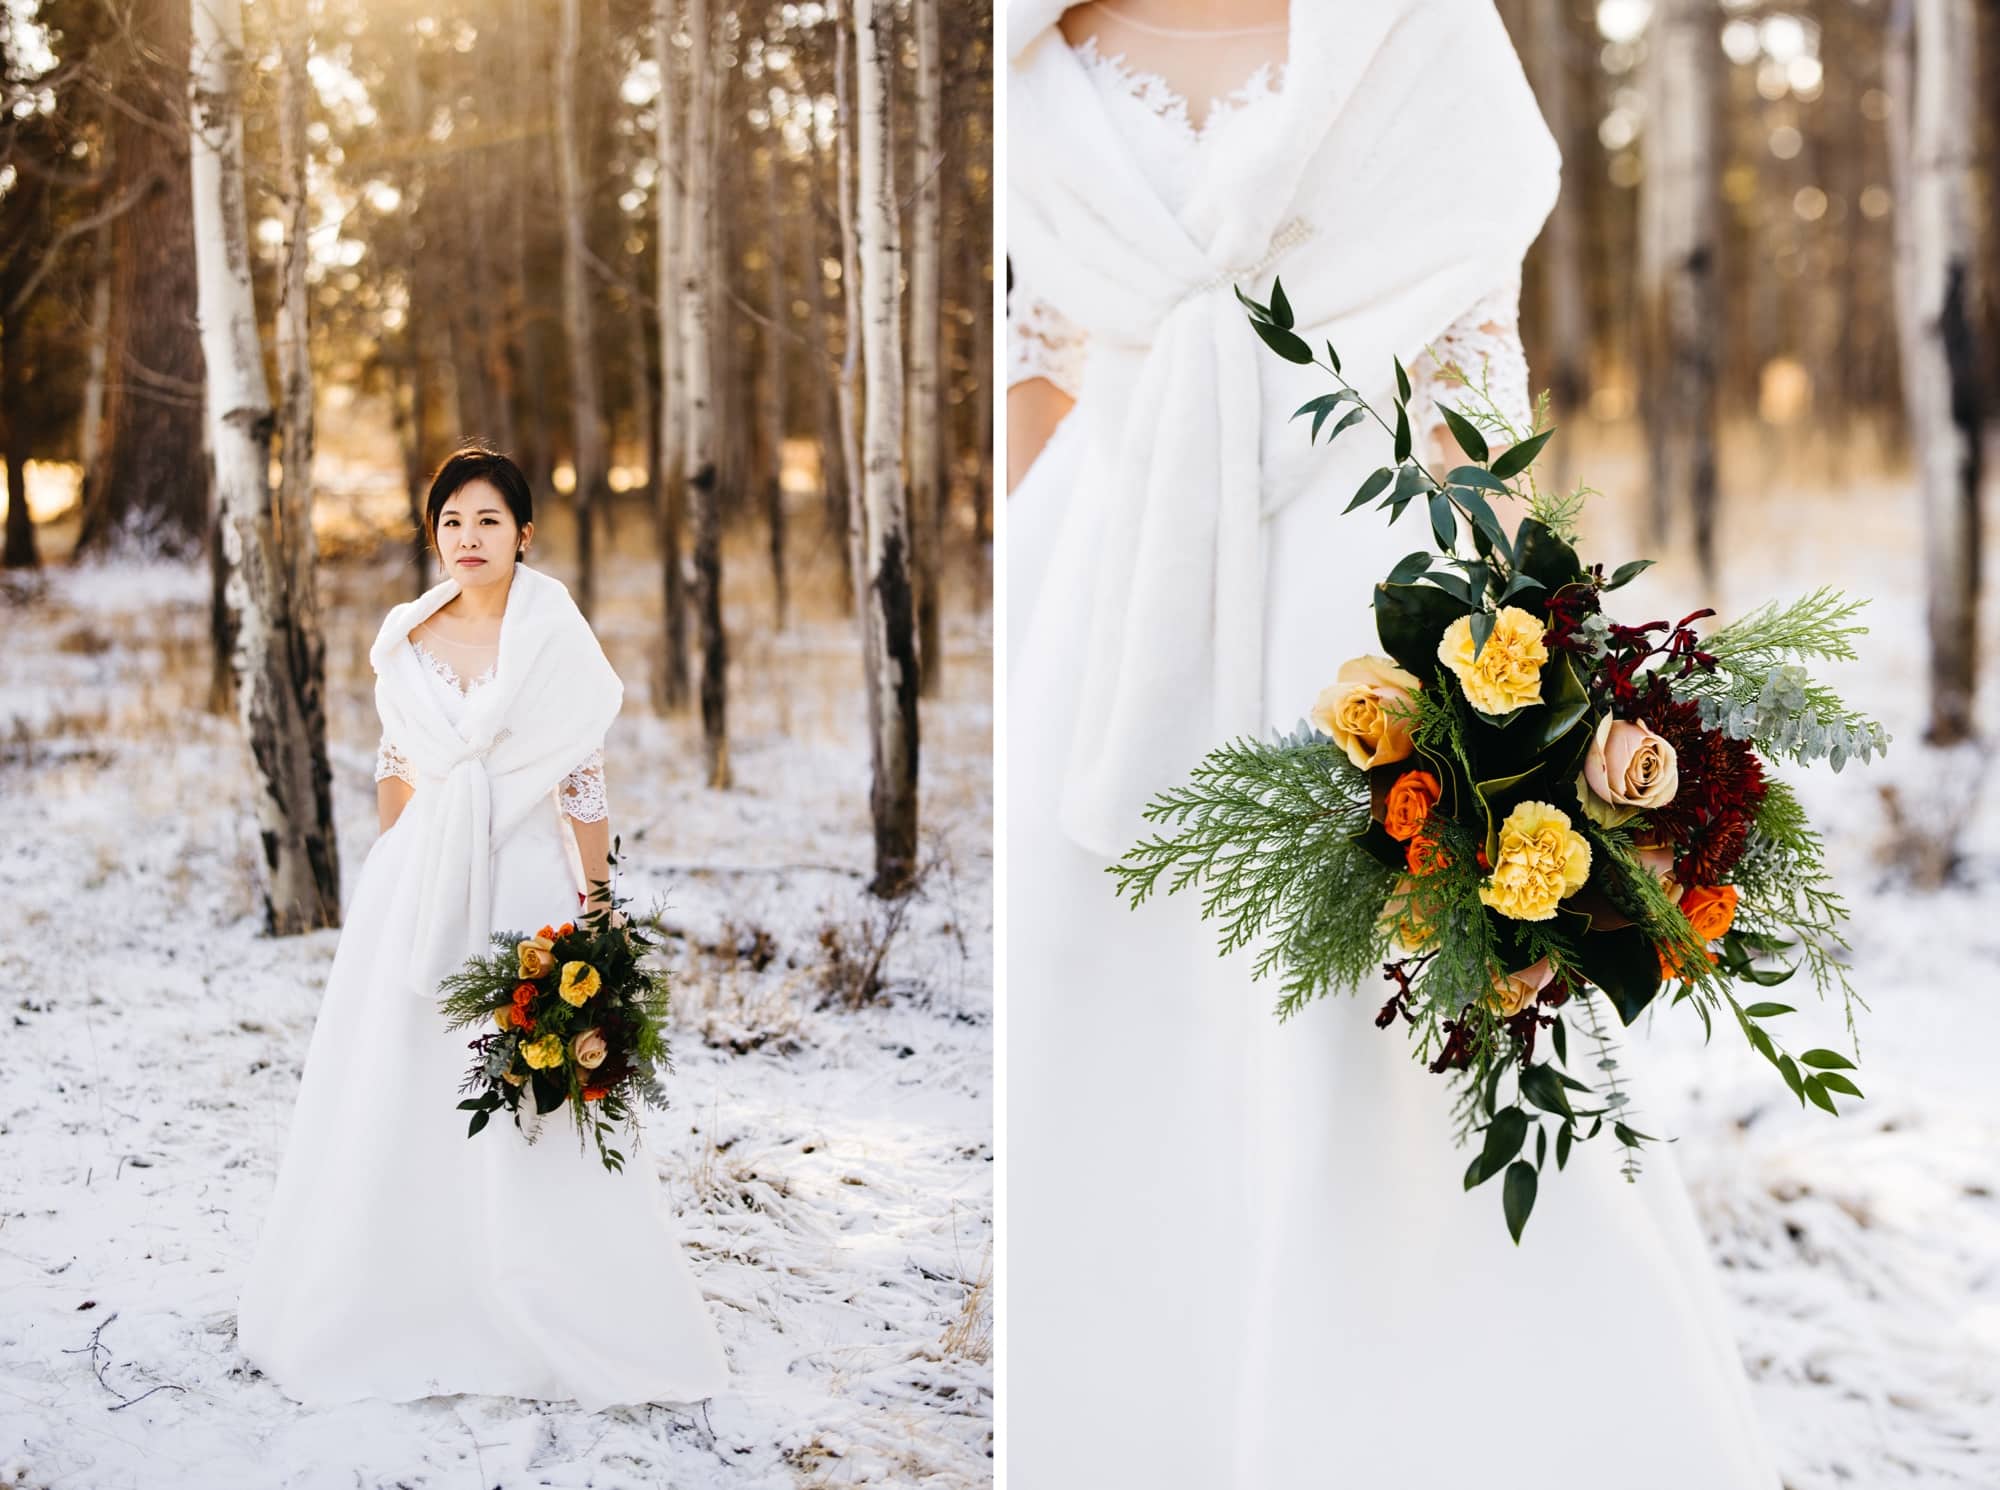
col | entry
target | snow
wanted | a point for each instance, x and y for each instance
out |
(1861, 1255)
(830, 1156)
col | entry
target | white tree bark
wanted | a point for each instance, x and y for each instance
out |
(698, 463)
(586, 403)
(771, 395)
(888, 611)
(849, 382)
(1936, 266)
(925, 409)
(1564, 279)
(671, 496)
(275, 694)
(1683, 289)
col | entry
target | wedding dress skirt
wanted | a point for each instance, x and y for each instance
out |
(400, 1259)
(1239, 1253)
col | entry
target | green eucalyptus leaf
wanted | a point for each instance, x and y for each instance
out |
(1444, 523)
(1769, 1011)
(1261, 312)
(1789, 1069)
(1565, 1136)
(1518, 1197)
(1410, 567)
(1484, 520)
(1402, 447)
(1281, 308)
(1372, 488)
(1827, 1060)
(1482, 629)
(1518, 457)
(1624, 574)
(1402, 380)
(1463, 430)
(1504, 1136)
(1541, 1145)
(1817, 1092)
(1477, 476)
(1287, 345)
(1350, 418)
(1833, 1081)
(1333, 357)
(1519, 584)
(1539, 1084)
(1559, 1037)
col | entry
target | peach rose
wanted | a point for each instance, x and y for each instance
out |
(1626, 770)
(1657, 859)
(588, 1049)
(1410, 802)
(1513, 992)
(1366, 710)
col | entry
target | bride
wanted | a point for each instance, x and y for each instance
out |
(400, 1259)
(1239, 1254)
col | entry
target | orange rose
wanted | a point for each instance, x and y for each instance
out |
(547, 931)
(1711, 911)
(566, 928)
(1425, 855)
(1410, 802)
(594, 1093)
(524, 994)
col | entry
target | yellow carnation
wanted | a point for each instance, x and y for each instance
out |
(579, 982)
(1508, 671)
(1541, 860)
(543, 1053)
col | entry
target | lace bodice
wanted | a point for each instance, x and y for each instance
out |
(581, 792)
(1174, 152)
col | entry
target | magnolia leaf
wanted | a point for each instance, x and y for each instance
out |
(1410, 621)
(1623, 964)
(1517, 458)
(1541, 553)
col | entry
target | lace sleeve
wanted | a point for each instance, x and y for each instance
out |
(582, 791)
(1043, 343)
(389, 762)
(1485, 345)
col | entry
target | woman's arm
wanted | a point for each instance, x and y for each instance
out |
(584, 803)
(1045, 353)
(1484, 346)
(1034, 409)
(395, 784)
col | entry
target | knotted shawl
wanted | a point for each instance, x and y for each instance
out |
(1412, 172)
(552, 696)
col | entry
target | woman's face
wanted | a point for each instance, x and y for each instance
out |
(477, 536)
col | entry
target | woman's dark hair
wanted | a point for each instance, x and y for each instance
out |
(475, 462)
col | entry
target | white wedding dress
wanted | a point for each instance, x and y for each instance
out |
(1239, 1253)
(400, 1259)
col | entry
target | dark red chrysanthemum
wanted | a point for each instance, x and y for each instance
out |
(1721, 785)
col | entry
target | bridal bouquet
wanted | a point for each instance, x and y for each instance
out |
(576, 1018)
(1527, 810)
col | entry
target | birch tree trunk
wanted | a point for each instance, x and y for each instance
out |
(850, 288)
(825, 385)
(771, 404)
(1935, 247)
(586, 403)
(1682, 294)
(888, 620)
(416, 209)
(275, 698)
(698, 461)
(925, 408)
(670, 491)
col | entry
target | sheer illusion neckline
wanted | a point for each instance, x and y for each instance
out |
(1162, 99)
(450, 675)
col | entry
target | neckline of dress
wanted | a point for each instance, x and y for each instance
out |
(449, 674)
(1162, 99)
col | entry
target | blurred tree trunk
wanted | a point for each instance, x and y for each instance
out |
(850, 286)
(586, 403)
(700, 462)
(926, 409)
(20, 551)
(90, 432)
(670, 490)
(152, 487)
(277, 702)
(1566, 333)
(415, 423)
(1682, 297)
(1932, 56)
(824, 384)
(537, 456)
(771, 404)
(889, 625)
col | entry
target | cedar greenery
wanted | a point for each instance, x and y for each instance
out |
(1289, 843)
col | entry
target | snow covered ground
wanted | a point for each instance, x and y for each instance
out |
(1861, 1255)
(829, 1151)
